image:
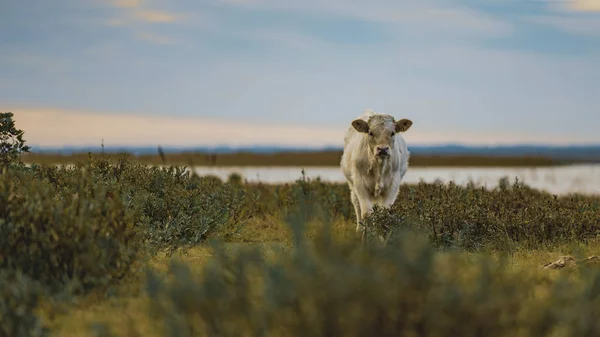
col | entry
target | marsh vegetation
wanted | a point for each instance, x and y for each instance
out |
(115, 247)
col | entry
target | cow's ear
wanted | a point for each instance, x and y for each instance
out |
(360, 125)
(403, 125)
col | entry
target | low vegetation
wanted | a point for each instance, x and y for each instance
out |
(114, 247)
(304, 159)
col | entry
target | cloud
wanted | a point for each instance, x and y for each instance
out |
(126, 3)
(313, 25)
(135, 11)
(289, 63)
(155, 16)
(422, 19)
(437, 15)
(576, 7)
(453, 94)
(584, 5)
(588, 26)
(136, 14)
(580, 17)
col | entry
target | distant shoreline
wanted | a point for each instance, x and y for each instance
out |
(307, 159)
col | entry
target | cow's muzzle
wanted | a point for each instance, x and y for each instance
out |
(382, 151)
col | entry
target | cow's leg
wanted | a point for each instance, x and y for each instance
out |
(390, 195)
(366, 207)
(389, 200)
(357, 211)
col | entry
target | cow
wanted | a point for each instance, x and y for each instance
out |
(374, 161)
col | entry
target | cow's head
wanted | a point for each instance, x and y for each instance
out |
(381, 130)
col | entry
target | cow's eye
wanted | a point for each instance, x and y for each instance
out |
(393, 133)
(371, 134)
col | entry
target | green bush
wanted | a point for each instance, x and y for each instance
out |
(235, 179)
(321, 198)
(177, 210)
(330, 288)
(73, 229)
(86, 223)
(82, 236)
(463, 217)
(12, 144)
(475, 218)
(19, 298)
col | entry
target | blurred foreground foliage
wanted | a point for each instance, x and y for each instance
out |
(333, 288)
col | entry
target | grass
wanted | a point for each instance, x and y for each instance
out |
(306, 159)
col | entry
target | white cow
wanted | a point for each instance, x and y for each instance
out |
(374, 161)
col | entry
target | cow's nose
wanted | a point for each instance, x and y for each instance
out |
(383, 149)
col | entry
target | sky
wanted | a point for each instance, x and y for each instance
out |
(296, 73)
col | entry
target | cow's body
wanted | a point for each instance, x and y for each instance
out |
(374, 161)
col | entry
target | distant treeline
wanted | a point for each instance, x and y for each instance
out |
(316, 158)
(578, 152)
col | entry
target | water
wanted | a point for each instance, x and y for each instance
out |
(560, 180)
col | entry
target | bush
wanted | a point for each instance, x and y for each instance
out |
(19, 298)
(177, 210)
(73, 229)
(452, 216)
(235, 179)
(330, 288)
(83, 236)
(85, 224)
(12, 144)
(321, 198)
(474, 218)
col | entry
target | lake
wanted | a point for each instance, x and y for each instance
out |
(583, 179)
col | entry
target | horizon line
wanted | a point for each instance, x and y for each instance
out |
(312, 147)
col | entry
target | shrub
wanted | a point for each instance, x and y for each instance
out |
(19, 298)
(177, 210)
(12, 144)
(235, 179)
(332, 288)
(83, 236)
(190, 212)
(474, 218)
(452, 216)
(320, 197)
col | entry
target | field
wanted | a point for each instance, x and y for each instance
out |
(113, 247)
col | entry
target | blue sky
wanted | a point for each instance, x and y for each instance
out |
(297, 72)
